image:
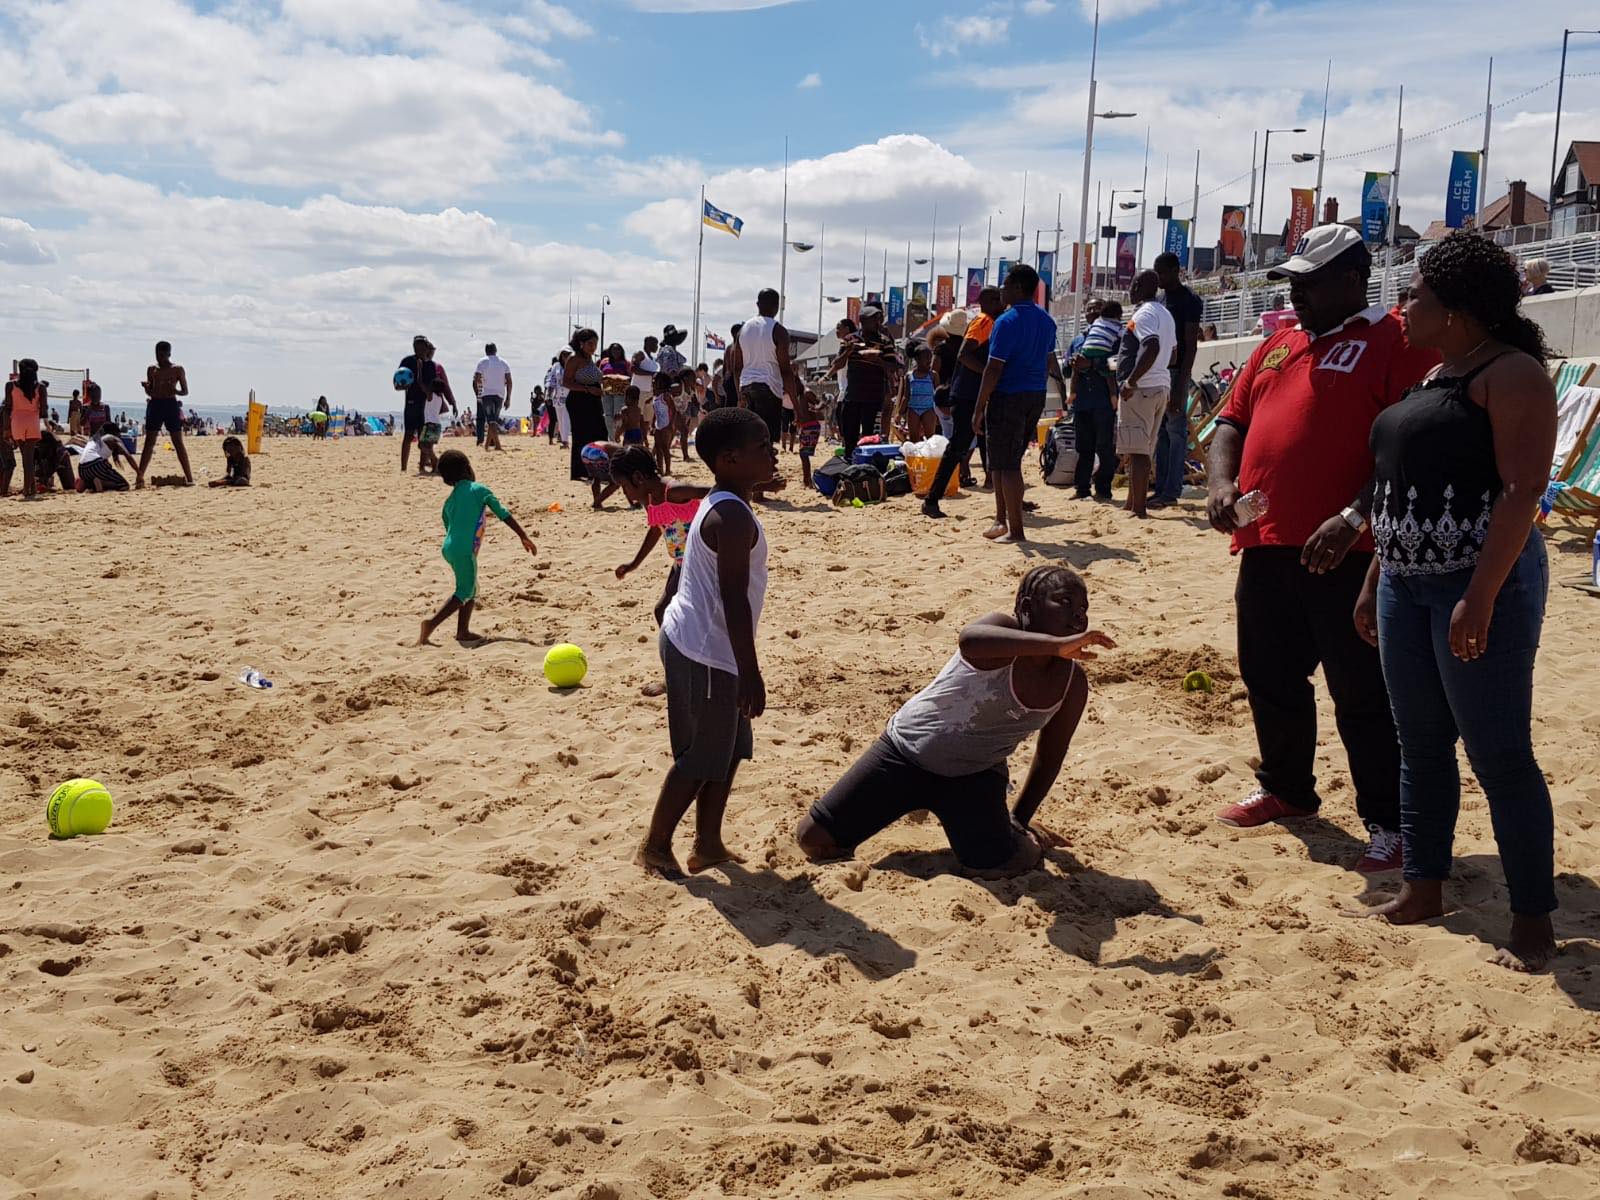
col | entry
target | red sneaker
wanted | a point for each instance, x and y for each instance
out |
(1259, 807)
(1384, 853)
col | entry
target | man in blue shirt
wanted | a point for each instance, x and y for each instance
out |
(1011, 399)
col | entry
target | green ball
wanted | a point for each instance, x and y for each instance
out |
(565, 665)
(1197, 681)
(78, 806)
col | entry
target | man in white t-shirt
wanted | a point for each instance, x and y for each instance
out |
(491, 382)
(555, 390)
(1147, 348)
(645, 367)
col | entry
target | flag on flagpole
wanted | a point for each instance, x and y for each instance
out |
(718, 219)
(713, 342)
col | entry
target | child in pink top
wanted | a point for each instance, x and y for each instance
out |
(669, 506)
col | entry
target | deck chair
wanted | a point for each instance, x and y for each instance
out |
(1571, 373)
(1576, 496)
(1577, 412)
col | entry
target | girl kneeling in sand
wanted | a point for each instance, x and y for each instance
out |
(947, 747)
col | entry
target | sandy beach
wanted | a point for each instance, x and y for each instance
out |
(376, 931)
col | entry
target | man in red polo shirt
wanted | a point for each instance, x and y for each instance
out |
(1295, 428)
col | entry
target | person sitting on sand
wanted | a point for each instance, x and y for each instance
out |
(708, 644)
(946, 749)
(464, 518)
(97, 461)
(238, 472)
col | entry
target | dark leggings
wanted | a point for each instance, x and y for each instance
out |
(960, 447)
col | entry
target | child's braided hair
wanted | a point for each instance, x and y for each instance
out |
(635, 460)
(1052, 578)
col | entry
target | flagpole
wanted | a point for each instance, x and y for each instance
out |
(933, 259)
(783, 258)
(1144, 201)
(1022, 222)
(1055, 265)
(699, 259)
(1081, 247)
(1322, 150)
(884, 299)
(1194, 217)
(863, 266)
(822, 251)
(988, 250)
(960, 282)
(1250, 210)
(1483, 160)
(1394, 194)
(905, 300)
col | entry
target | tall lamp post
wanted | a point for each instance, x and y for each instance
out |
(1266, 154)
(1088, 160)
(605, 303)
(1561, 87)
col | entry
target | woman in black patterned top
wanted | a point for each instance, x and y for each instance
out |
(1456, 594)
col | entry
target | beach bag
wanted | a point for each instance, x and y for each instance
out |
(858, 482)
(1058, 457)
(897, 479)
(826, 477)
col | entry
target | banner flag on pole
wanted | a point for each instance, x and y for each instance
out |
(1231, 241)
(1127, 256)
(1302, 215)
(1375, 206)
(718, 219)
(1461, 199)
(852, 308)
(1002, 271)
(974, 283)
(1083, 265)
(713, 342)
(1177, 240)
(946, 299)
(897, 306)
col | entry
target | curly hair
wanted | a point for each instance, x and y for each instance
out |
(1475, 277)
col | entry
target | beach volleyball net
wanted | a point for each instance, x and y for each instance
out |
(62, 381)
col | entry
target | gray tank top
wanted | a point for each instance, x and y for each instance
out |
(966, 720)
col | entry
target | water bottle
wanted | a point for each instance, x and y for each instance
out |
(1249, 507)
(254, 678)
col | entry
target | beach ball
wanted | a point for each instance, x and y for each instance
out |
(403, 378)
(565, 665)
(78, 806)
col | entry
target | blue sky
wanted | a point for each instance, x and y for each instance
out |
(289, 189)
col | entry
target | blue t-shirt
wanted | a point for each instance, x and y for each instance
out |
(1094, 389)
(1023, 338)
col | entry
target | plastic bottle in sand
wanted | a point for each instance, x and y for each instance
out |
(1249, 507)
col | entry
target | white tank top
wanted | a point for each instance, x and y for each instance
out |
(760, 355)
(644, 376)
(695, 620)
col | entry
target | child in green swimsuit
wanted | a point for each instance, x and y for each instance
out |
(465, 514)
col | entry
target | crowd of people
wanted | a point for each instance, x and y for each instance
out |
(1403, 453)
(83, 454)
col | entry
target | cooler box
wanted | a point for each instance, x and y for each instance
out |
(922, 471)
(875, 456)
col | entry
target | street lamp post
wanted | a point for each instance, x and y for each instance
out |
(1088, 160)
(605, 303)
(1561, 87)
(1266, 154)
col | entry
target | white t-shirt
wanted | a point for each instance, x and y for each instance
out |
(94, 450)
(433, 410)
(644, 374)
(495, 373)
(759, 354)
(1152, 320)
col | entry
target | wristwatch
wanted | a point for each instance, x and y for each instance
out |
(1354, 519)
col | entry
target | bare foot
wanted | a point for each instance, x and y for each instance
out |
(997, 530)
(653, 688)
(660, 862)
(138, 483)
(470, 641)
(1008, 540)
(426, 633)
(1419, 900)
(702, 857)
(1533, 945)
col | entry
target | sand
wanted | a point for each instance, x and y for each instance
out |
(376, 931)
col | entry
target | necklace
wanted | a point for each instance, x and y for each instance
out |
(1468, 356)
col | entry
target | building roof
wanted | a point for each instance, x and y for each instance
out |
(1402, 232)
(1588, 156)
(1497, 215)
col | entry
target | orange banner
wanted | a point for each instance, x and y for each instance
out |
(1302, 215)
(945, 296)
(852, 308)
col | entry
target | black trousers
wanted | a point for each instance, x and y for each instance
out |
(1096, 433)
(1290, 622)
(856, 421)
(960, 447)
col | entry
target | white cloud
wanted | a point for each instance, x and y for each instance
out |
(950, 35)
(20, 245)
(1038, 8)
(705, 6)
(1118, 10)
(813, 80)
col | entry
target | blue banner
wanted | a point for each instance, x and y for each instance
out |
(1375, 206)
(1047, 270)
(974, 283)
(1461, 198)
(897, 306)
(1001, 273)
(1177, 240)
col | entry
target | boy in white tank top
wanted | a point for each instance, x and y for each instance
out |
(708, 644)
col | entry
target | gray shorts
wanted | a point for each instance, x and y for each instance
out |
(707, 734)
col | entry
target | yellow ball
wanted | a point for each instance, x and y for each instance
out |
(1197, 681)
(78, 806)
(565, 665)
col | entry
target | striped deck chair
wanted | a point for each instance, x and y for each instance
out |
(1571, 373)
(1576, 496)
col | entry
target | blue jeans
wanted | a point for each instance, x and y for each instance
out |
(1172, 446)
(1488, 705)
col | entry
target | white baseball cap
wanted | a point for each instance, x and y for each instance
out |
(1316, 250)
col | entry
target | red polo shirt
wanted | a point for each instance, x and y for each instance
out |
(1305, 406)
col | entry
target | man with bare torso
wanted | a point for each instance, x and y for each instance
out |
(163, 384)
